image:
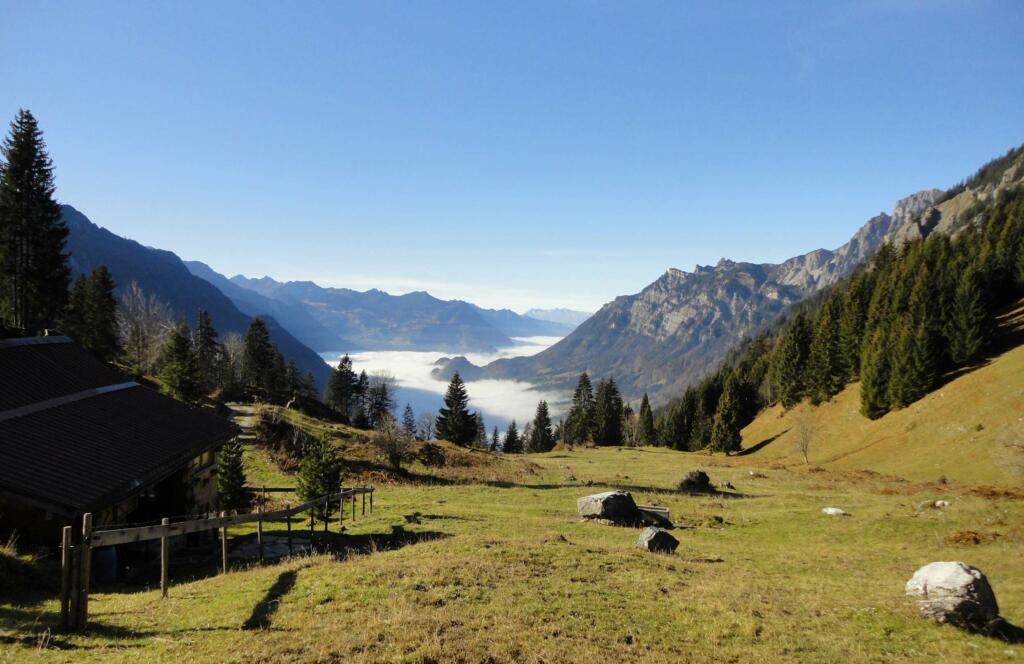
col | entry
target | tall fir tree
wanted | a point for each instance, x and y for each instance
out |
(231, 476)
(725, 432)
(579, 423)
(495, 440)
(409, 422)
(607, 413)
(454, 421)
(176, 366)
(970, 327)
(825, 373)
(207, 350)
(34, 274)
(646, 435)
(541, 438)
(903, 386)
(792, 364)
(874, 375)
(852, 322)
(260, 359)
(342, 388)
(512, 444)
(481, 432)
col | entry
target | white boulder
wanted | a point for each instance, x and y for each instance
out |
(834, 511)
(954, 592)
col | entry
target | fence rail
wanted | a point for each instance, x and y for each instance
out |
(76, 560)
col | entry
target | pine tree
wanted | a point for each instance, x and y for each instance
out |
(874, 375)
(342, 388)
(409, 422)
(540, 438)
(608, 413)
(454, 421)
(260, 360)
(207, 350)
(177, 368)
(792, 365)
(319, 474)
(231, 476)
(680, 420)
(579, 424)
(852, 322)
(512, 443)
(646, 434)
(825, 373)
(725, 432)
(34, 275)
(495, 440)
(481, 432)
(970, 327)
(902, 389)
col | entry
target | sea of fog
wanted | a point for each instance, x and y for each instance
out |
(500, 401)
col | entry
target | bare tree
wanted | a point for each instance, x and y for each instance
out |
(805, 433)
(425, 425)
(142, 322)
(391, 441)
(630, 429)
(232, 348)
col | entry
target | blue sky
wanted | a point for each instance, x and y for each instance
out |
(514, 154)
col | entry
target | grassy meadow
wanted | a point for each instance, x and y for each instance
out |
(501, 569)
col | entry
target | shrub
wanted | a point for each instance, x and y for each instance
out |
(432, 455)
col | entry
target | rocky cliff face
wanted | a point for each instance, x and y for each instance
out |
(673, 331)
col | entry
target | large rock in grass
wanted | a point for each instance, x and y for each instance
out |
(955, 593)
(611, 505)
(696, 481)
(657, 540)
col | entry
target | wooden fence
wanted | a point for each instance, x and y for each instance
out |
(76, 560)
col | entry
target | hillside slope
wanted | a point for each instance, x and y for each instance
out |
(969, 430)
(672, 332)
(163, 274)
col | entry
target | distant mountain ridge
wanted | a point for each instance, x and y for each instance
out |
(676, 329)
(162, 274)
(332, 319)
(560, 315)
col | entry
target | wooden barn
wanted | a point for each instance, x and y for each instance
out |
(77, 436)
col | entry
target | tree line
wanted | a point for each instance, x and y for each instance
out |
(902, 324)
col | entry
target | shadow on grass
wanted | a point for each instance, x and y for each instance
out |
(760, 446)
(266, 608)
(1005, 631)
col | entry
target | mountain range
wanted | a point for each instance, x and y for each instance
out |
(672, 332)
(162, 274)
(333, 319)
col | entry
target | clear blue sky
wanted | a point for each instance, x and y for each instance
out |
(519, 153)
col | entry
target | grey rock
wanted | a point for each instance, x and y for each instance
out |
(696, 481)
(954, 592)
(657, 540)
(611, 505)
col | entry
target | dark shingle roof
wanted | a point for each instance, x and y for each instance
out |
(73, 448)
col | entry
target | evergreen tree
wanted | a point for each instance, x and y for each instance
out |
(91, 315)
(608, 413)
(260, 361)
(646, 434)
(342, 389)
(34, 275)
(792, 365)
(231, 476)
(852, 322)
(409, 422)
(874, 375)
(903, 385)
(319, 474)
(725, 432)
(207, 350)
(177, 368)
(540, 438)
(495, 440)
(970, 327)
(380, 399)
(481, 432)
(512, 443)
(579, 423)
(454, 421)
(825, 373)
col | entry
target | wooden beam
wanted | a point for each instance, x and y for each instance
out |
(165, 560)
(65, 577)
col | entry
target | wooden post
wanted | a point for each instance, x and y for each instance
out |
(86, 569)
(259, 530)
(65, 577)
(75, 597)
(224, 546)
(165, 558)
(364, 503)
(371, 500)
(288, 520)
(353, 497)
(341, 514)
(327, 511)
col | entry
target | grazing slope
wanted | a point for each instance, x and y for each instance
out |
(163, 274)
(970, 430)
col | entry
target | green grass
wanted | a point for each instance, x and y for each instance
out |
(503, 569)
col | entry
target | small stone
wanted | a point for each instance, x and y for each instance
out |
(954, 592)
(834, 511)
(657, 540)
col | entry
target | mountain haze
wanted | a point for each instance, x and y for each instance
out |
(164, 275)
